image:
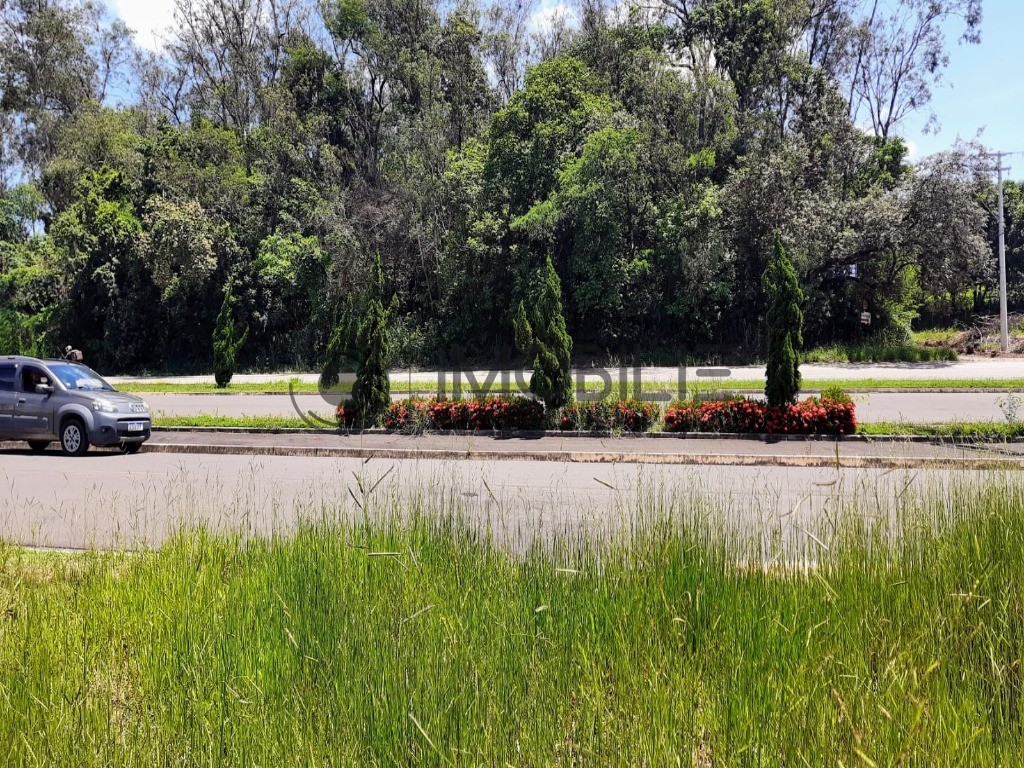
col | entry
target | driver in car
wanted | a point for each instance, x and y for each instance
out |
(36, 379)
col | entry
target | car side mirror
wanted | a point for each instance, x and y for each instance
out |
(44, 389)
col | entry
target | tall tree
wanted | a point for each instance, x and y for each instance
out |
(55, 57)
(944, 224)
(901, 54)
(229, 52)
(109, 288)
(506, 44)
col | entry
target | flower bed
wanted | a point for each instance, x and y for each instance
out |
(490, 413)
(829, 415)
(810, 417)
(605, 416)
(346, 416)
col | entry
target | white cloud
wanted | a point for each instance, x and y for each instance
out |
(149, 18)
(912, 149)
(546, 17)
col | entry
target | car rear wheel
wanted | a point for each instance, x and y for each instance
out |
(73, 439)
(38, 446)
(131, 448)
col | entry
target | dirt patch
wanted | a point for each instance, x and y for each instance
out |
(982, 338)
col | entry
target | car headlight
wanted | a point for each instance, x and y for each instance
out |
(99, 404)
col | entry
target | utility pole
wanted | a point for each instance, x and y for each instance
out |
(1004, 329)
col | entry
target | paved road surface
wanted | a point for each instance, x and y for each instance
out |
(923, 408)
(975, 368)
(106, 499)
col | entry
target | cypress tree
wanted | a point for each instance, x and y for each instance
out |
(785, 328)
(371, 392)
(337, 347)
(226, 344)
(542, 335)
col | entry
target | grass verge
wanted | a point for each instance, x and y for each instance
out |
(209, 388)
(233, 422)
(977, 430)
(422, 643)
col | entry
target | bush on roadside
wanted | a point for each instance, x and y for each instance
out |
(835, 395)
(606, 416)
(809, 417)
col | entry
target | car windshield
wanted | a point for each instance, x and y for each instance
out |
(78, 377)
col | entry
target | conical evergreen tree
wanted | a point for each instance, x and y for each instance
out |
(371, 392)
(337, 347)
(541, 333)
(785, 328)
(226, 344)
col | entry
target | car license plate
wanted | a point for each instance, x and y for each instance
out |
(136, 426)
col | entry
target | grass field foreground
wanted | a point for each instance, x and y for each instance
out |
(419, 642)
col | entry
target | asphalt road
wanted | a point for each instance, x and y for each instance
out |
(108, 500)
(920, 408)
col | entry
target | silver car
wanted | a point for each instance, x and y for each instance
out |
(46, 400)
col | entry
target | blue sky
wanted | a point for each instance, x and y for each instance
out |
(983, 87)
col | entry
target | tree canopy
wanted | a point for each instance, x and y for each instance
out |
(648, 154)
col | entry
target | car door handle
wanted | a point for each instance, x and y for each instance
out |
(22, 401)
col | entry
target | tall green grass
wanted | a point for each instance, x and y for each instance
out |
(409, 640)
(879, 353)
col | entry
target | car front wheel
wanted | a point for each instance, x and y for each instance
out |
(73, 439)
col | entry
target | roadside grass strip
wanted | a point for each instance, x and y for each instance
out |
(400, 634)
(236, 422)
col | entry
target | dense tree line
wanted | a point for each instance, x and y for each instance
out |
(649, 154)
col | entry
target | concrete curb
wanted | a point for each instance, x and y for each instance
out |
(611, 457)
(534, 434)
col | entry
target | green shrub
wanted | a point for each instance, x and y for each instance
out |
(610, 415)
(593, 416)
(835, 395)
